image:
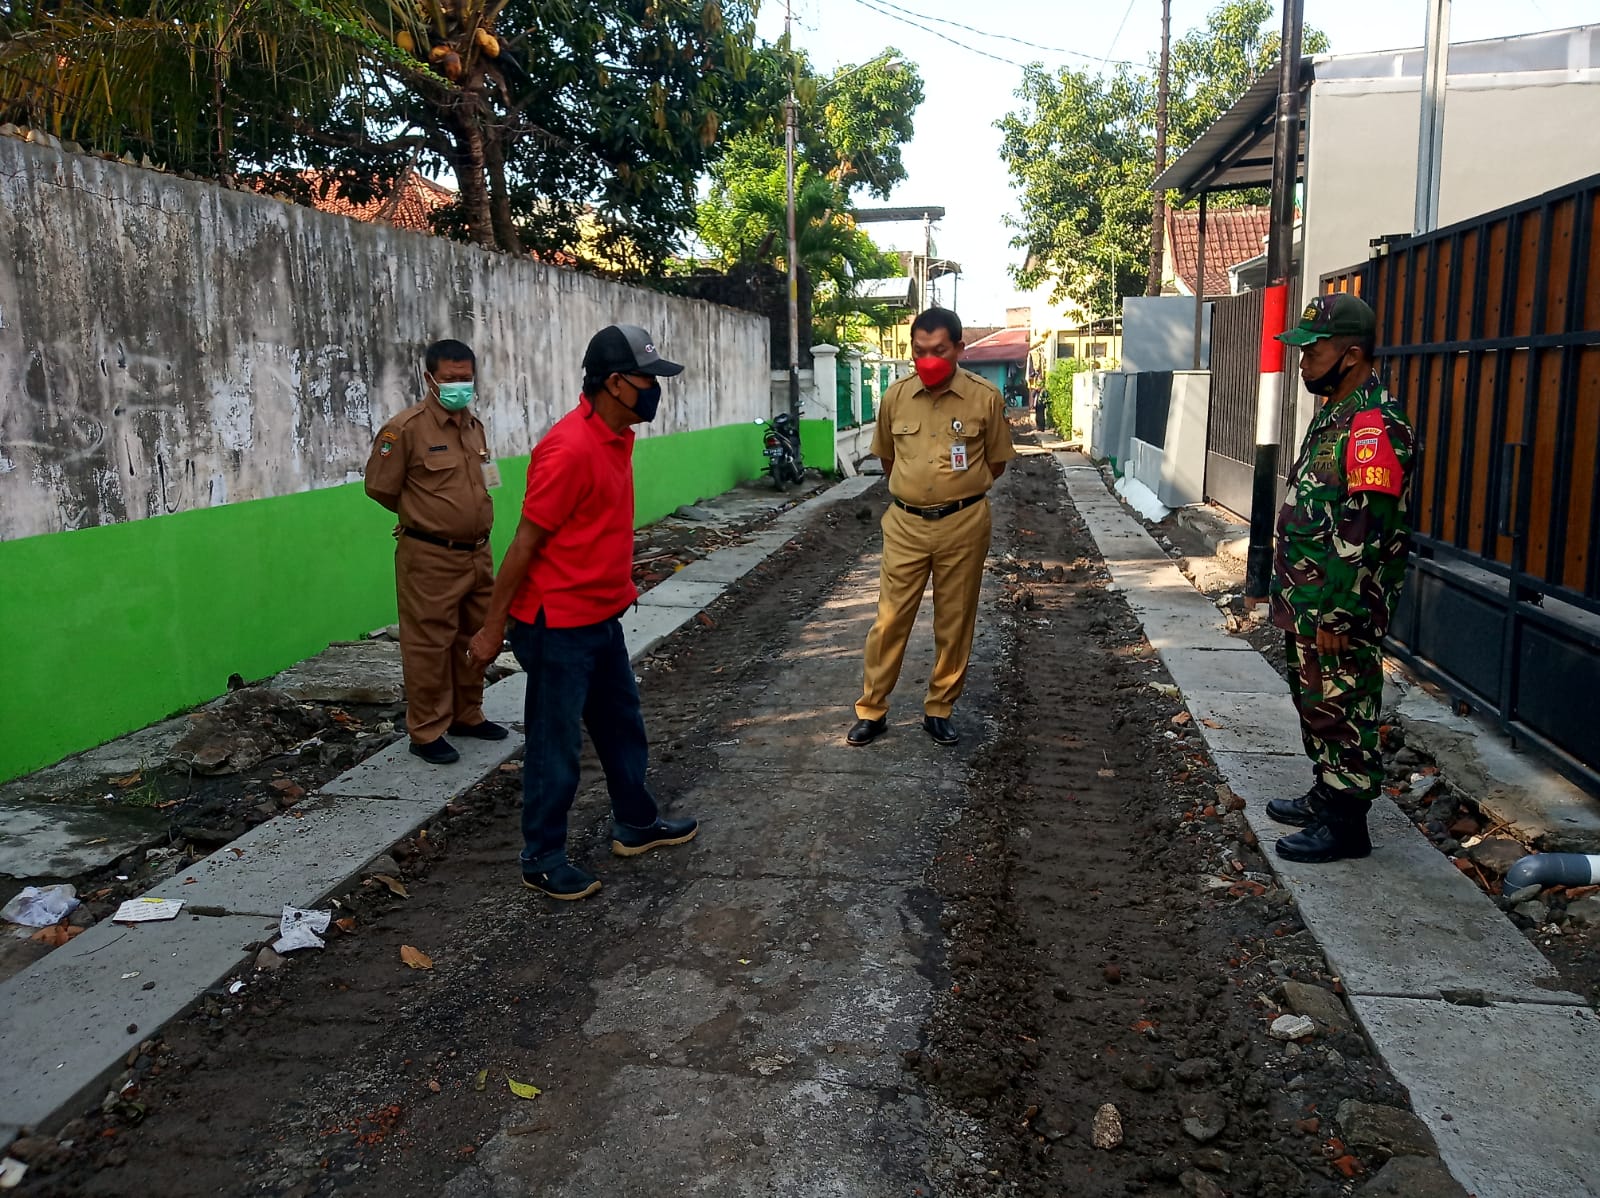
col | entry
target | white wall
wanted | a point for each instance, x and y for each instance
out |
(168, 345)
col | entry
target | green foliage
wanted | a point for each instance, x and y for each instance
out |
(1058, 391)
(849, 125)
(1081, 150)
(745, 219)
(571, 126)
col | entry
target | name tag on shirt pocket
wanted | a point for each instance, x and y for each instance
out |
(491, 474)
(958, 456)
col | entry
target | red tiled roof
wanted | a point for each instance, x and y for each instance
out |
(1008, 345)
(1233, 235)
(409, 207)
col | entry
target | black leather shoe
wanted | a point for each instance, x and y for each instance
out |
(1328, 839)
(436, 752)
(1297, 813)
(485, 730)
(864, 732)
(941, 729)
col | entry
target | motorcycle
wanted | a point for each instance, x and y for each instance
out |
(781, 445)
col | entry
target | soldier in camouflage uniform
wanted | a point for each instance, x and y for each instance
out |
(1343, 539)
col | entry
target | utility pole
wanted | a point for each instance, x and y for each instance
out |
(790, 120)
(1275, 304)
(1430, 136)
(1158, 210)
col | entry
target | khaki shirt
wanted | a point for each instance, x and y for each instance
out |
(427, 465)
(920, 430)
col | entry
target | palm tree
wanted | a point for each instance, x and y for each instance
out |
(176, 73)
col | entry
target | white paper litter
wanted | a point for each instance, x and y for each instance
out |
(143, 910)
(41, 906)
(11, 1171)
(298, 929)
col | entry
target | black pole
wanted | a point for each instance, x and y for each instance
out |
(1280, 269)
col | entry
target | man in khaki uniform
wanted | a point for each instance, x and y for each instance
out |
(431, 466)
(943, 439)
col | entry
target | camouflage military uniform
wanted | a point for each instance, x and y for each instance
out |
(1343, 538)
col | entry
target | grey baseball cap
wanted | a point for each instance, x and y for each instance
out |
(626, 349)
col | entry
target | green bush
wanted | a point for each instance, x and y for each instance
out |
(1058, 390)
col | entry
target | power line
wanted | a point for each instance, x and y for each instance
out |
(1126, 13)
(895, 16)
(1006, 37)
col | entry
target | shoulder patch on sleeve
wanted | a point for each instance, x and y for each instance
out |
(1370, 462)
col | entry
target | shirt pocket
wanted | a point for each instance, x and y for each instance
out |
(440, 471)
(905, 432)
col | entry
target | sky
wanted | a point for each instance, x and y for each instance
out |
(954, 159)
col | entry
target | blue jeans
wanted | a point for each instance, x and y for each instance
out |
(577, 678)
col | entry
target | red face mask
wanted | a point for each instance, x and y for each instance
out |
(934, 372)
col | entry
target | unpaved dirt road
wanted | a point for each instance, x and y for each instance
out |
(1077, 954)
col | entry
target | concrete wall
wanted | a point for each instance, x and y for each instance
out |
(167, 346)
(1158, 333)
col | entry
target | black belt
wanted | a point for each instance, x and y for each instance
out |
(444, 542)
(939, 513)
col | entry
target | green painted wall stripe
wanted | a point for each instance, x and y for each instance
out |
(817, 447)
(120, 625)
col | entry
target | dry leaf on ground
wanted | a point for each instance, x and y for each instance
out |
(415, 957)
(523, 1089)
(395, 885)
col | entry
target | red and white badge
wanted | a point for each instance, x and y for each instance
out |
(1370, 463)
(958, 456)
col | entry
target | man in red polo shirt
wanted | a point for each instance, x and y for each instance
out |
(564, 583)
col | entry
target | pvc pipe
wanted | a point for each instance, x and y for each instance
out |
(1553, 869)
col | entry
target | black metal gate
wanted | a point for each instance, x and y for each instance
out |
(1489, 331)
(1235, 387)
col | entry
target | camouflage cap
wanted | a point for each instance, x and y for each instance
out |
(1338, 315)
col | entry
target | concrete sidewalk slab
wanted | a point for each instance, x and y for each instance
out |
(395, 773)
(1238, 669)
(1247, 722)
(725, 565)
(298, 861)
(645, 627)
(679, 591)
(1405, 922)
(72, 1016)
(45, 841)
(1509, 1092)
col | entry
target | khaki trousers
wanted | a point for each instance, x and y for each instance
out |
(443, 598)
(952, 552)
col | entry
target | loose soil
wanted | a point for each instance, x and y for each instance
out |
(1112, 938)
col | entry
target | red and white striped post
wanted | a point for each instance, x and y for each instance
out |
(1269, 406)
(1275, 309)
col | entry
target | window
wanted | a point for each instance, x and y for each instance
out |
(1097, 349)
(1066, 346)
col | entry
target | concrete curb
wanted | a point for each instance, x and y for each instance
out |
(1504, 1082)
(74, 1015)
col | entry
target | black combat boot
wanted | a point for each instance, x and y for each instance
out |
(1339, 833)
(1297, 813)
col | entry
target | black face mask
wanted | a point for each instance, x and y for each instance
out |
(647, 401)
(1330, 380)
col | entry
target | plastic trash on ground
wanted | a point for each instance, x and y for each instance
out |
(39, 907)
(298, 929)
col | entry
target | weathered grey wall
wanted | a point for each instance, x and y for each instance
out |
(168, 345)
